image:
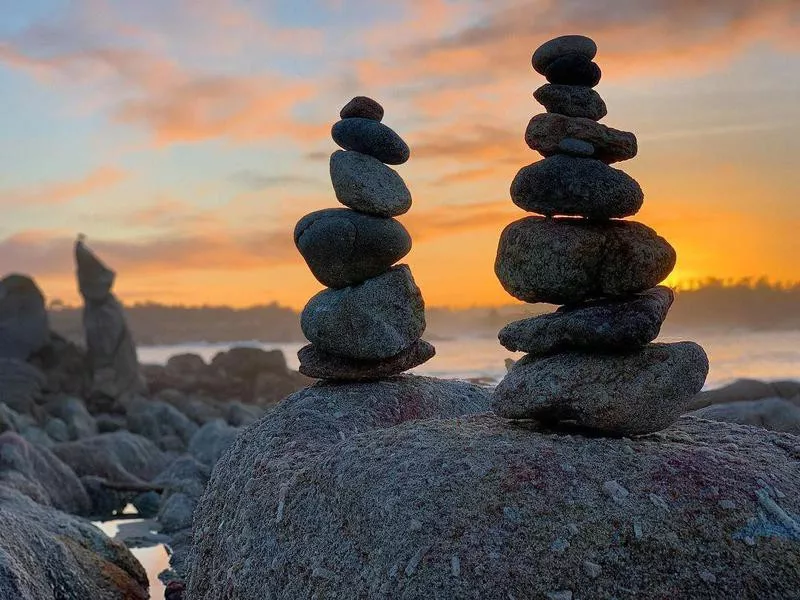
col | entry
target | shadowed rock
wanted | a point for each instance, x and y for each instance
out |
(775, 414)
(573, 69)
(561, 46)
(21, 385)
(318, 364)
(367, 185)
(545, 132)
(362, 107)
(24, 327)
(571, 101)
(370, 137)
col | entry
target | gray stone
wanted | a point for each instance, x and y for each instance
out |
(591, 570)
(603, 325)
(11, 420)
(745, 390)
(343, 247)
(248, 363)
(159, 420)
(147, 504)
(186, 475)
(321, 365)
(211, 441)
(622, 394)
(561, 46)
(576, 148)
(574, 69)
(571, 101)
(456, 475)
(372, 138)
(73, 412)
(24, 327)
(775, 414)
(375, 320)
(176, 513)
(569, 261)
(585, 187)
(362, 107)
(545, 132)
(21, 385)
(187, 364)
(367, 185)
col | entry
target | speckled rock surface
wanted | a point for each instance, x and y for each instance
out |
(571, 101)
(545, 132)
(362, 107)
(318, 506)
(375, 320)
(623, 394)
(562, 46)
(320, 365)
(604, 325)
(343, 247)
(372, 138)
(568, 261)
(365, 184)
(585, 187)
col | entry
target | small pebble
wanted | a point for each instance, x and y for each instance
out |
(573, 529)
(561, 595)
(455, 565)
(592, 570)
(637, 530)
(659, 501)
(615, 491)
(708, 576)
(727, 504)
(559, 546)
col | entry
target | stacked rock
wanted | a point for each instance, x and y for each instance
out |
(590, 364)
(369, 322)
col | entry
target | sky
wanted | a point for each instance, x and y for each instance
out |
(185, 138)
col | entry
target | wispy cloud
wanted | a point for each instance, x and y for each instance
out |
(63, 192)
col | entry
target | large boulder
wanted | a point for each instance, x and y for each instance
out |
(160, 422)
(24, 327)
(211, 441)
(21, 385)
(745, 390)
(73, 413)
(777, 414)
(476, 507)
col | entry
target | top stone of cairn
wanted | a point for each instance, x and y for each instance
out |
(561, 47)
(362, 107)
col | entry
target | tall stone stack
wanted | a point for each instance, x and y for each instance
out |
(368, 324)
(591, 364)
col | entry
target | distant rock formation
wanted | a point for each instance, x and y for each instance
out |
(24, 327)
(111, 349)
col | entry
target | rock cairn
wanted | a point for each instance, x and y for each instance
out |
(368, 324)
(591, 363)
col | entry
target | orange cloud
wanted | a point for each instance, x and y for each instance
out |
(102, 178)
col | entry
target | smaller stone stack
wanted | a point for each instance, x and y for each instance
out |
(368, 324)
(591, 363)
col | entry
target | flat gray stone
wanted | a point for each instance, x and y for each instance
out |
(546, 131)
(374, 320)
(362, 107)
(585, 187)
(569, 261)
(24, 327)
(343, 247)
(372, 138)
(571, 101)
(603, 325)
(320, 365)
(367, 185)
(576, 148)
(622, 394)
(573, 69)
(561, 46)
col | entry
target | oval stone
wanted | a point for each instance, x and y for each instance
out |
(546, 131)
(372, 138)
(343, 247)
(572, 101)
(561, 46)
(321, 365)
(367, 185)
(362, 107)
(574, 69)
(569, 261)
(576, 148)
(621, 394)
(585, 187)
(374, 320)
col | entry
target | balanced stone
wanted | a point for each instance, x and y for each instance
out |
(362, 107)
(569, 261)
(371, 137)
(343, 247)
(24, 326)
(563, 185)
(374, 320)
(572, 101)
(623, 394)
(576, 148)
(320, 365)
(561, 46)
(367, 185)
(546, 131)
(574, 69)
(603, 325)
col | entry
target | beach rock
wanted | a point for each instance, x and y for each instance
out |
(185, 475)
(211, 441)
(186, 364)
(622, 394)
(745, 390)
(362, 107)
(562, 46)
(21, 385)
(343, 247)
(569, 261)
(466, 508)
(159, 420)
(66, 370)
(320, 365)
(11, 420)
(248, 363)
(242, 415)
(775, 414)
(176, 513)
(375, 320)
(576, 148)
(371, 137)
(73, 413)
(571, 101)
(563, 185)
(573, 69)
(367, 185)
(46, 554)
(545, 132)
(24, 327)
(603, 325)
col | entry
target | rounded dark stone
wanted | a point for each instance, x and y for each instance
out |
(546, 131)
(372, 138)
(576, 148)
(634, 393)
(374, 320)
(569, 260)
(320, 365)
(574, 69)
(362, 107)
(602, 325)
(585, 187)
(343, 247)
(367, 185)
(561, 46)
(571, 101)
